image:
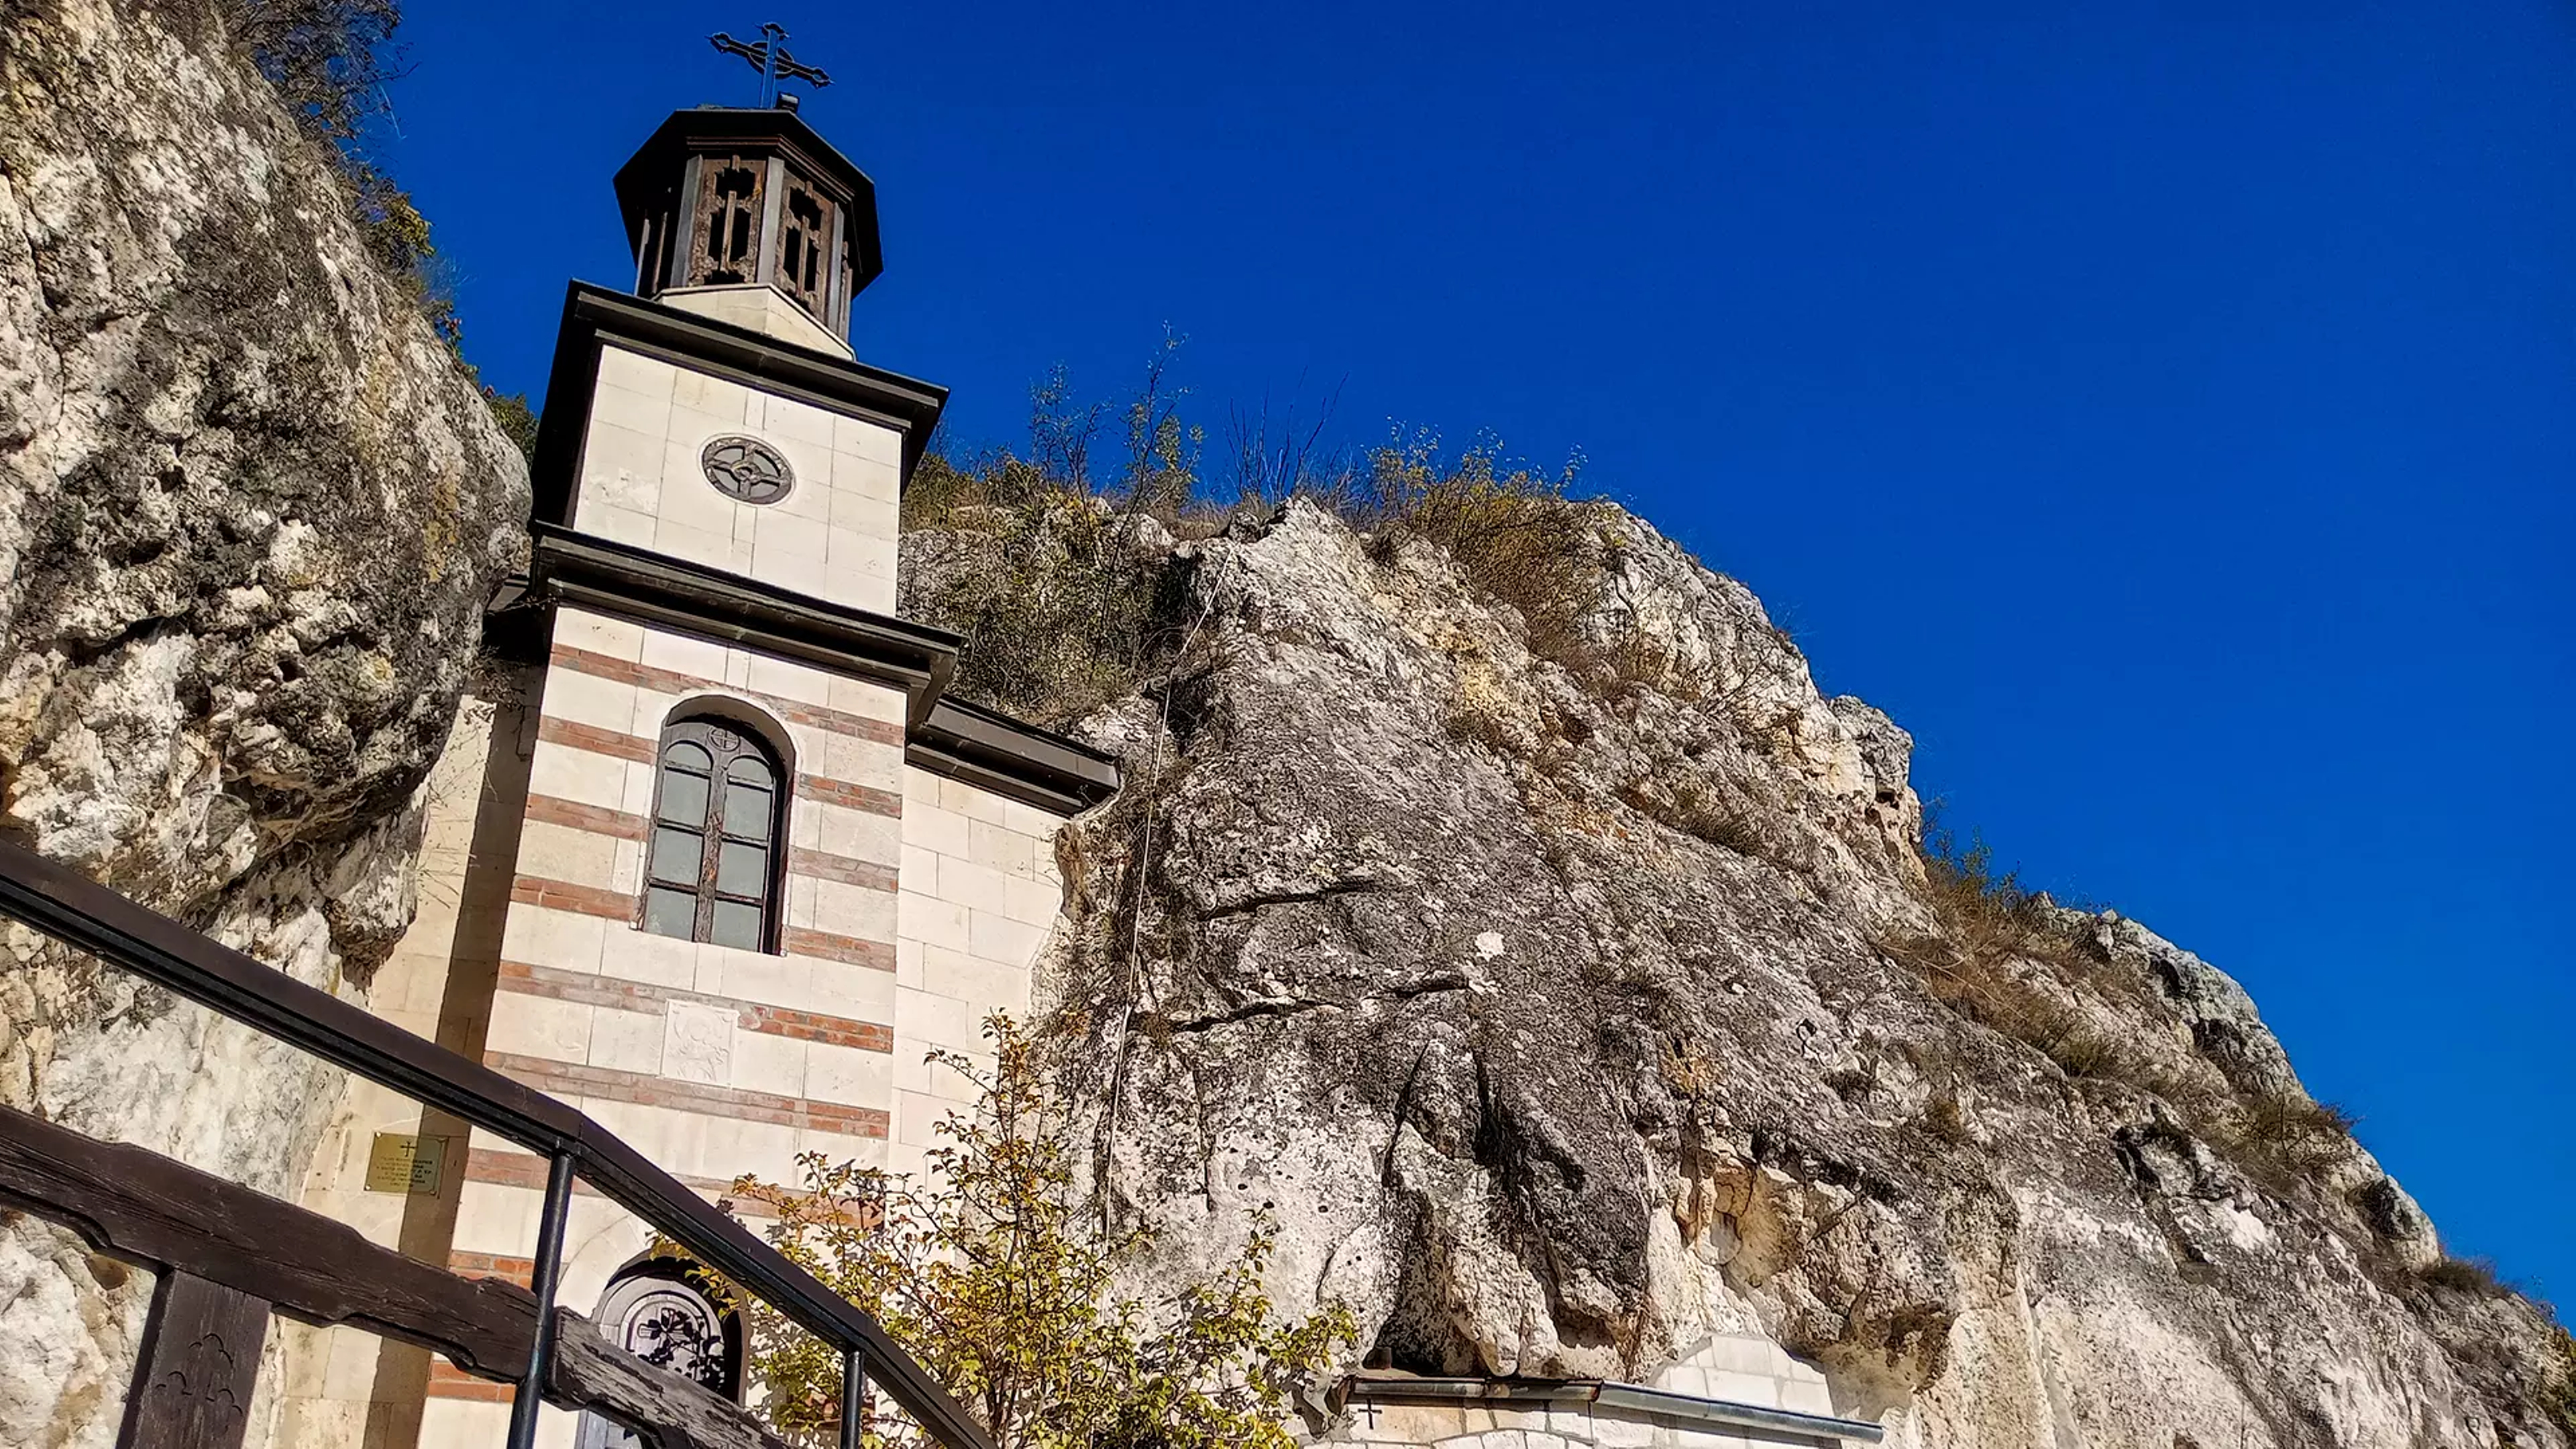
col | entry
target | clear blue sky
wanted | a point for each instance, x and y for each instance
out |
(2166, 411)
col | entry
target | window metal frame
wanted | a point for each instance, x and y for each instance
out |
(724, 740)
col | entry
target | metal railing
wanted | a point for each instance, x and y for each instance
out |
(91, 918)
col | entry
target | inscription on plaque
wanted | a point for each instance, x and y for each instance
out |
(401, 1162)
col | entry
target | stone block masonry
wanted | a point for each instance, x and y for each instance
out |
(832, 536)
(914, 905)
(980, 892)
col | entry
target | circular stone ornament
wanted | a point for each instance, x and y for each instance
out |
(746, 469)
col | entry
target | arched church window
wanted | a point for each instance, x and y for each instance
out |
(661, 1318)
(711, 872)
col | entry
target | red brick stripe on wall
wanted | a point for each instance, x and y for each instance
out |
(671, 681)
(627, 671)
(823, 865)
(816, 1027)
(596, 819)
(513, 1169)
(519, 1169)
(840, 722)
(572, 734)
(614, 905)
(522, 979)
(492, 1265)
(566, 1079)
(848, 950)
(849, 797)
(447, 1381)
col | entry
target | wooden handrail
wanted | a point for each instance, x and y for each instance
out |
(141, 1207)
(89, 917)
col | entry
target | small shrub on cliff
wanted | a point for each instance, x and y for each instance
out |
(2558, 1397)
(1057, 603)
(1946, 1117)
(1987, 913)
(1699, 809)
(2474, 1276)
(330, 61)
(2280, 1140)
(1000, 1281)
(1514, 533)
(517, 420)
(1162, 453)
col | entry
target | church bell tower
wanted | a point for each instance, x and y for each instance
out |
(746, 214)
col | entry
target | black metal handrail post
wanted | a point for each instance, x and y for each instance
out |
(854, 1397)
(546, 1270)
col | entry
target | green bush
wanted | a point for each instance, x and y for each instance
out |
(328, 59)
(1058, 608)
(999, 1274)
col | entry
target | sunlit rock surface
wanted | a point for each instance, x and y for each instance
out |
(1561, 1014)
(250, 511)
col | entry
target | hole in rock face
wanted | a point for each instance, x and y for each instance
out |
(1408, 1344)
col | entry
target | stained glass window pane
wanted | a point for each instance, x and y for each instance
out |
(737, 925)
(678, 856)
(684, 797)
(746, 812)
(743, 870)
(670, 912)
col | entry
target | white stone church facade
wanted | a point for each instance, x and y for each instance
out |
(729, 860)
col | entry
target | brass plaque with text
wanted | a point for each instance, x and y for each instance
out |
(401, 1162)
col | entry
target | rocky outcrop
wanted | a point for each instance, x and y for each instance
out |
(250, 510)
(1567, 1012)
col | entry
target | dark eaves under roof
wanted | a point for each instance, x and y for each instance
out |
(966, 742)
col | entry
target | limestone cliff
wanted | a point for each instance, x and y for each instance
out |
(1569, 1011)
(250, 510)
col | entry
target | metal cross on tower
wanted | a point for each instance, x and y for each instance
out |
(769, 57)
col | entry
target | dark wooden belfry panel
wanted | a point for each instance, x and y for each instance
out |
(806, 227)
(200, 1361)
(727, 244)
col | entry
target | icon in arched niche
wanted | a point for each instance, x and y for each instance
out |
(654, 1312)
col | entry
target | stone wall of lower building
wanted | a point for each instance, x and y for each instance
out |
(341, 1387)
(713, 1061)
(913, 906)
(980, 894)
